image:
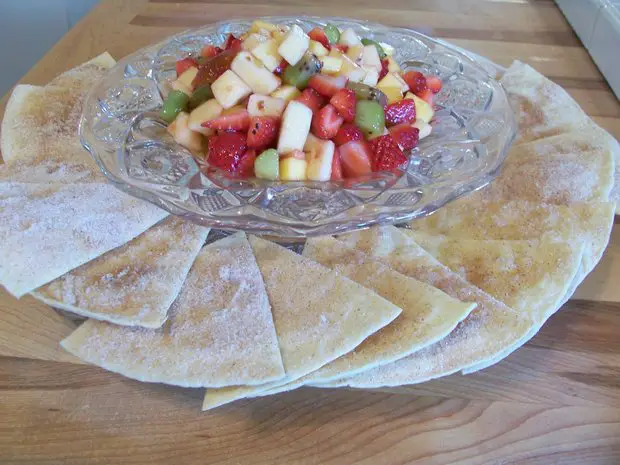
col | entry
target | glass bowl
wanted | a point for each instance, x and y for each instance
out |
(473, 127)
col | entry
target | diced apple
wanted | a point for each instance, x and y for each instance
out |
(319, 155)
(184, 81)
(355, 53)
(286, 93)
(253, 41)
(371, 78)
(349, 37)
(184, 136)
(293, 168)
(331, 65)
(267, 52)
(229, 89)
(393, 80)
(279, 34)
(264, 105)
(254, 74)
(317, 48)
(387, 48)
(423, 111)
(295, 127)
(370, 58)
(257, 25)
(393, 66)
(294, 45)
(351, 70)
(424, 128)
(209, 110)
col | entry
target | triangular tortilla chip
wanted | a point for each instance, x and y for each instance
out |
(589, 223)
(486, 332)
(219, 332)
(48, 230)
(428, 313)
(561, 170)
(135, 284)
(319, 315)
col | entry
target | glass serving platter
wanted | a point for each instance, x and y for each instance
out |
(473, 128)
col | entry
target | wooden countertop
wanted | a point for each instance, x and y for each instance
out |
(555, 401)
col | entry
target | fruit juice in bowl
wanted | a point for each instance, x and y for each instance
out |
(279, 104)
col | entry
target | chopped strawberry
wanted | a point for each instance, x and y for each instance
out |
(312, 99)
(426, 95)
(326, 122)
(336, 166)
(226, 149)
(343, 48)
(245, 168)
(415, 80)
(232, 43)
(355, 157)
(318, 34)
(326, 85)
(213, 68)
(237, 121)
(399, 112)
(281, 67)
(405, 135)
(209, 51)
(386, 154)
(263, 131)
(434, 83)
(347, 133)
(185, 64)
(384, 68)
(344, 100)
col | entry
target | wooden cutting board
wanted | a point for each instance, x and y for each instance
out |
(556, 400)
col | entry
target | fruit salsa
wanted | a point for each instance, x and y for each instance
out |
(278, 103)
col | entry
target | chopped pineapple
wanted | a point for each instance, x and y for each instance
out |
(257, 25)
(317, 49)
(253, 41)
(393, 66)
(393, 94)
(424, 112)
(331, 65)
(286, 93)
(267, 52)
(293, 169)
(355, 53)
(184, 81)
(393, 80)
(209, 110)
(254, 74)
(184, 136)
(351, 70)
(279, 33)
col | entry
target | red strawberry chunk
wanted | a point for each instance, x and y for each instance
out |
(405, 135)
(347, 133)
(326, 122)
(336, 166)
(281, 67)
(344, 100)
(384, 68)
(426, 95)
(263, 131)
(232, 43)
(415, 80)
(209, 51)
(185, 64)
(226, 149)
(326, 85)
(434, 83)
(312, 99)
(386, 154)
(318, 34)
(355, 157)
(245, 168)
(237, 121)
(399, 112)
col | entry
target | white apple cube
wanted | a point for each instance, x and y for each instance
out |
(294, 45)
(184, 81)
(229, 89)
(423, 111)
(209, 110)
(351, 70)
(370, 58)
(254, 74)
(387, 48)
(349, 38)
(253, 40)
(264, 105)
(294, 128)
(371, 78)
(319, 155)
(317, 48)
(267, 53)
(286, 93)
(257, 25)
(331, 65)
(184, 136)
(424, 128)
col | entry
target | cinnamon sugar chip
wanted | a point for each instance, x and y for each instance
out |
(134, 284)
(486, 332)
(219, 331)
(319, 316)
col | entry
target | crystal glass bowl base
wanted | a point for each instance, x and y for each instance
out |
(473, 127)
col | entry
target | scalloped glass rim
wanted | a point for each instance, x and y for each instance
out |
(473, 129)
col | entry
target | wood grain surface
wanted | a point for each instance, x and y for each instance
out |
(555, 401)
